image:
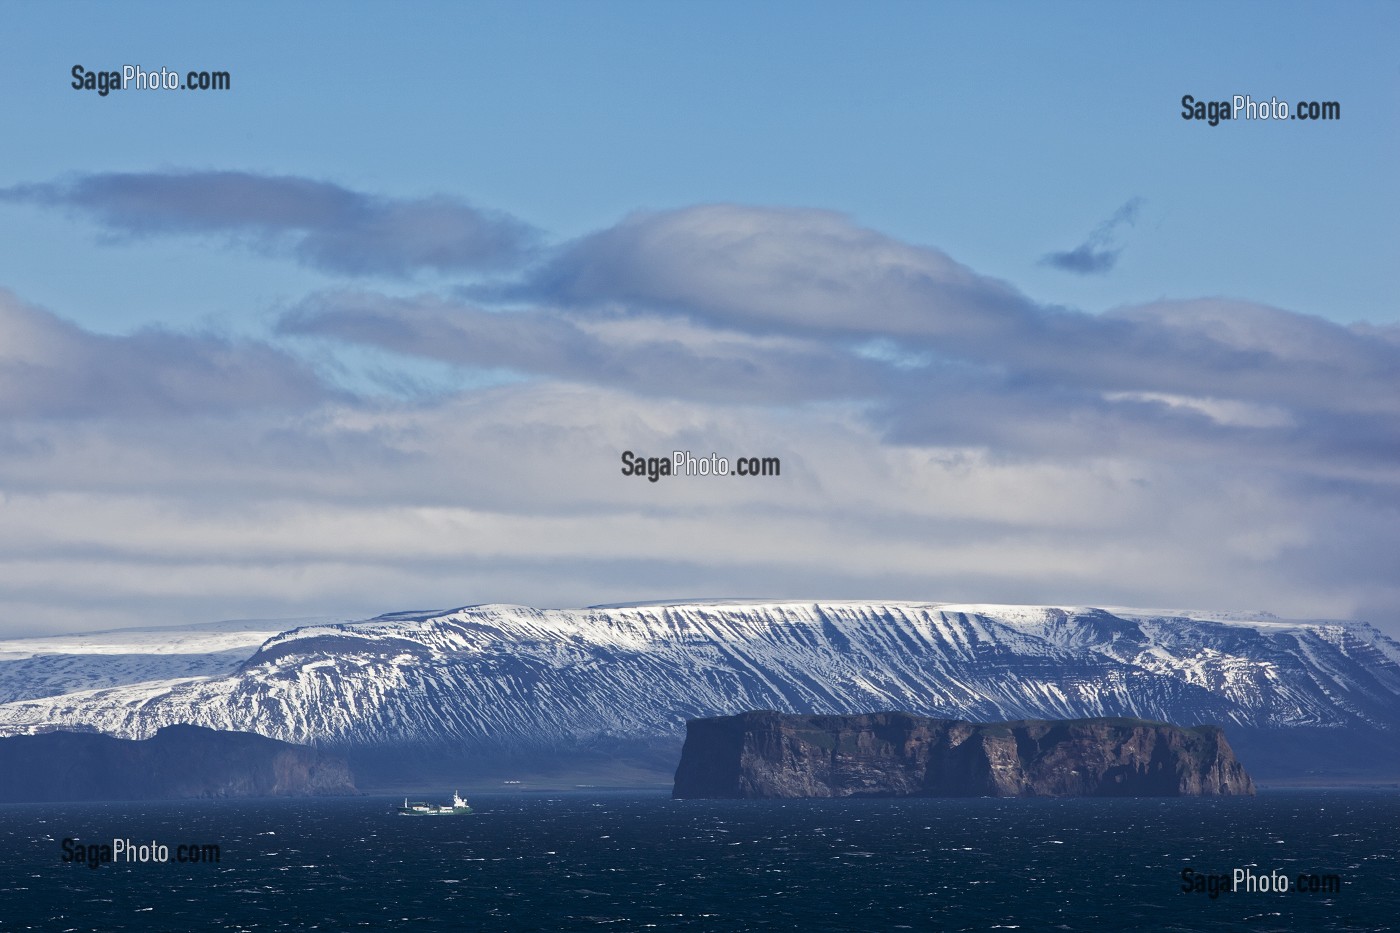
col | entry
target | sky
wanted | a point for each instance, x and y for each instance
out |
(371, 329)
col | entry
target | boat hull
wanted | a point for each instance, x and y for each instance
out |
(450, 811)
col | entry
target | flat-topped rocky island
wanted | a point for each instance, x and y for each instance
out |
(768, 754)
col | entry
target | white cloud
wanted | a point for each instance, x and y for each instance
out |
(941, 435)
(1227, 412)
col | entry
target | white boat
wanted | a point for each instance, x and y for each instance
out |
(458, 807)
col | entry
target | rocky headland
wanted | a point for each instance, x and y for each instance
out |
(178, 762)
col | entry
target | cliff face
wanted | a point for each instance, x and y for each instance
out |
(766, 754)
(177, 762)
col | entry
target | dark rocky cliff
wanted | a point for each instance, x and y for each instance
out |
(178, 762)
(767, 754)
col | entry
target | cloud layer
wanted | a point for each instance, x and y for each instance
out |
(942, 435)
(50, 368)
(726, 303)
(317, 223)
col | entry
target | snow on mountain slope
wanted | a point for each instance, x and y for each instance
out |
(53, 665)
(512, 677)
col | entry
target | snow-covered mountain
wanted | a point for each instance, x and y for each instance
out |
(510, 679)
(50, 665)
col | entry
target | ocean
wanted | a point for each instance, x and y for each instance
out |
(640, 861)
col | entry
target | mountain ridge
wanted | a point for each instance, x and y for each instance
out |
(502, 682)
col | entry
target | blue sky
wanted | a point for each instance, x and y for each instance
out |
(997, 132)
(811, 179)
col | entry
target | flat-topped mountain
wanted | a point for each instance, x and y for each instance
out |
(768, 754)
(178, 762)
(512, 688)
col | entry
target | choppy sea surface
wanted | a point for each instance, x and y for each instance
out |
(636, 861)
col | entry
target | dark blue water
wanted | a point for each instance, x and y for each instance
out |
(635, 862)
